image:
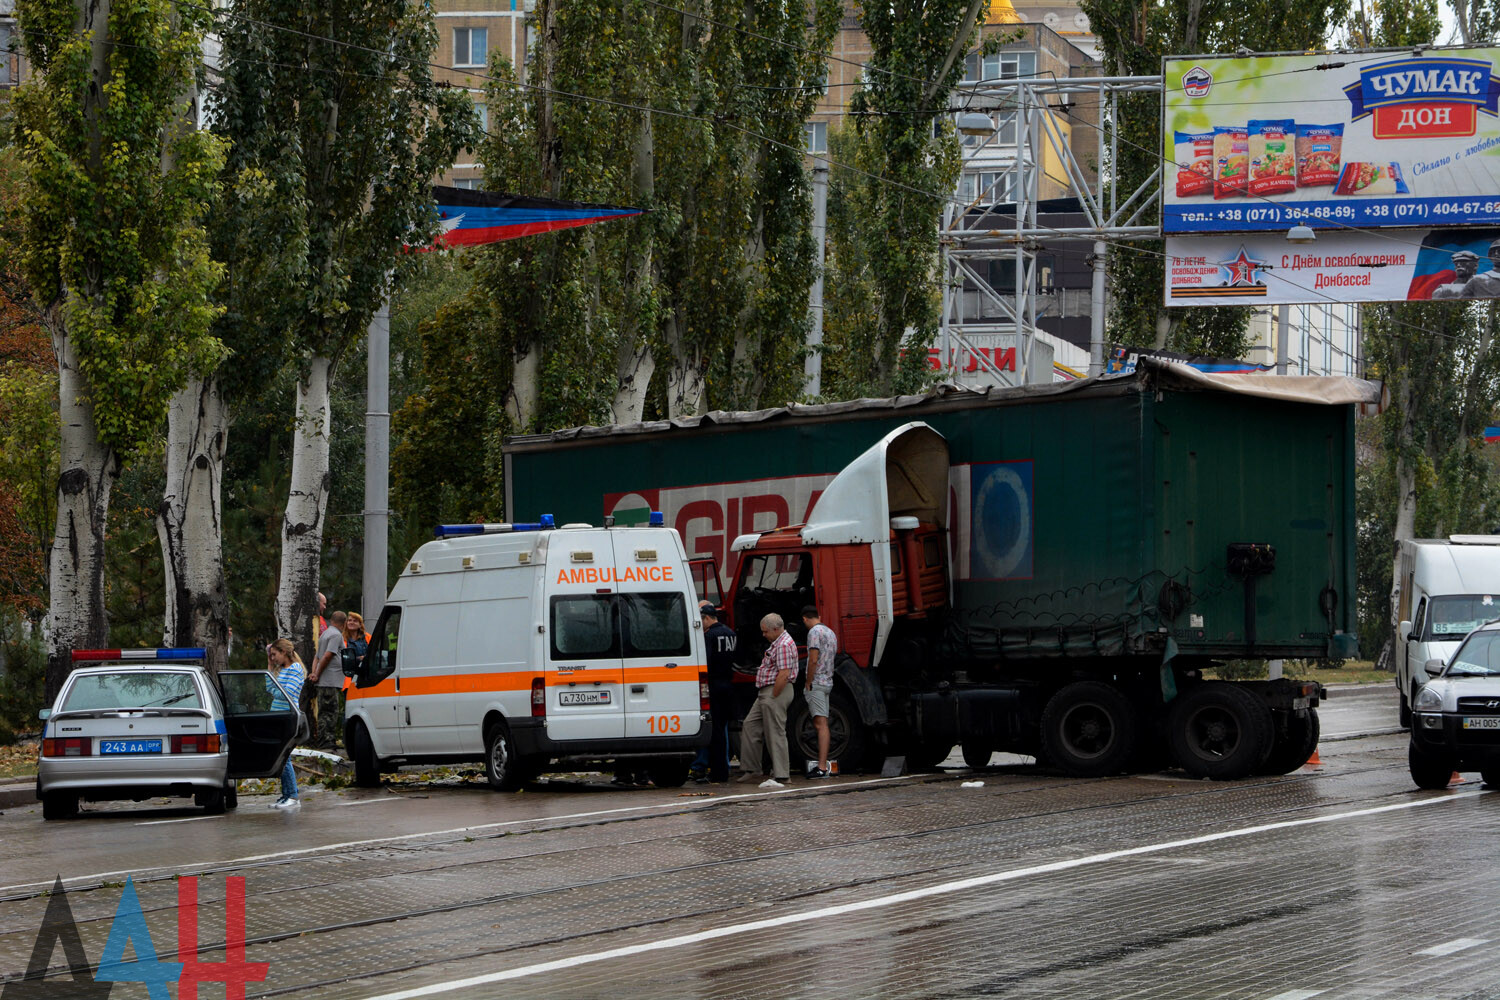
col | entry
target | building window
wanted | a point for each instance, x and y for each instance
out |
(482, 114)
(991, 187)
(471, 46)
(817, 137)
(467, 183)
(999, 66)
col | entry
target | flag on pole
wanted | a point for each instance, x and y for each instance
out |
(1491, 435)
(471, 218)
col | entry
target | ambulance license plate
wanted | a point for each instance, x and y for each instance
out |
(1483, 722)
(583, 698)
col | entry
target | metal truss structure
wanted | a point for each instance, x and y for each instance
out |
(1001, 221)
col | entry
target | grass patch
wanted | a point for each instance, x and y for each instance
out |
(18, 760)
(1351, 672)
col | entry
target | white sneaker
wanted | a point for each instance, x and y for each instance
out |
(771, 783)
(287, 805)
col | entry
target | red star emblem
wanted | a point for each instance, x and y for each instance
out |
(1241, 269)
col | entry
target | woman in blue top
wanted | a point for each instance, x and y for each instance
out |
(290, 674)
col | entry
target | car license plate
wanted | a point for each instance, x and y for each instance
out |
(583, 698)
(1483, 722)
(129, 746)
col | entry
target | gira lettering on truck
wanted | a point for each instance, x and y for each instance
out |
(1424, 98)
(521, 644)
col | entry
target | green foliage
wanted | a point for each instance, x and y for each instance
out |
(336, 129)
(883, 283)
(1133, 38)
(118, 182)
(23, 669)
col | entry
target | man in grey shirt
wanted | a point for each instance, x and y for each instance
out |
(328, 676)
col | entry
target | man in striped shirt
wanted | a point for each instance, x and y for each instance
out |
(765, 724)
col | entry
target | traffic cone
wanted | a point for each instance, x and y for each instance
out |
(1314, 760)
(1457, 779)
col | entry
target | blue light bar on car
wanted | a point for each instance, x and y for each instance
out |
(182, 653)
(658, 519)
(454, 530)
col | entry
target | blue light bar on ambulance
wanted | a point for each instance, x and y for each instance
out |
(454, 530)
(183, 653)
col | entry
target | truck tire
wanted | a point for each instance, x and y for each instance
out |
(59, 805)
(1427, 770)
(1219, 730)
(849, 742)
(362, 750)
(1291, 751)
(1491, 777)
(502, 765)
(1090, 729)
(978, 755)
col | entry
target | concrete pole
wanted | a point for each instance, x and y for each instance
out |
(1096, 312)
(1282, 313)
(377, 460)
(812, 367)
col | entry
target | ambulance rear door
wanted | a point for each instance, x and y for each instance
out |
(583, 638)
(661, 651)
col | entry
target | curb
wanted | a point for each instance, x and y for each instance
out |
(17, 793)
(1334, 690)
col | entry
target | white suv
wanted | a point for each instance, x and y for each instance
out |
(1455, 723)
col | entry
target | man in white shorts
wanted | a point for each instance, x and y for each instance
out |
(822, 648)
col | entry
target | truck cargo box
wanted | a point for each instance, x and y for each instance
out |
(1099, 518)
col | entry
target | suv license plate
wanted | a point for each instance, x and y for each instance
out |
(598, 698)
(129, 746)
(1484, 722)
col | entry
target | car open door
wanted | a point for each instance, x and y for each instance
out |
(261, 722)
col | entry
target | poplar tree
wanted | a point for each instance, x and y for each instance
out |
(332, 111)
(115, 254)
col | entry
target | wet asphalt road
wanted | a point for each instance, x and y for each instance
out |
(1339, 881)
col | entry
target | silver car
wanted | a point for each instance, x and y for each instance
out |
(153, 722)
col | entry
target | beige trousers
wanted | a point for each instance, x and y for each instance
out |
(764, 724)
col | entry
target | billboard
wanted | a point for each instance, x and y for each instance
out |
(1394, 265)
(1362, 140)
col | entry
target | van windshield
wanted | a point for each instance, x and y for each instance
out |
(1455, 616)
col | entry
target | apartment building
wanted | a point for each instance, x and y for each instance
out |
(469, 31)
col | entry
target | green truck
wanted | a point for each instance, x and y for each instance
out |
(1047, 570)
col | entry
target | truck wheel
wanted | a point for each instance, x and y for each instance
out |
(1219, 730)
(59, 805)
(978, 755)
(1291, 751)
(1491, 777)
(502, 766)
(848, 740)
(1405, 714)
(362, 749)
(1089, 729)
(1427, 770)
(668, 773)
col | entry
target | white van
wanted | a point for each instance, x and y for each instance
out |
(1446, 588)
(520, 644)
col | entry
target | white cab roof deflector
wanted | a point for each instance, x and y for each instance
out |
(904, 474)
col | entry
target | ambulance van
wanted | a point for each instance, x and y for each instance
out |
(523, 644)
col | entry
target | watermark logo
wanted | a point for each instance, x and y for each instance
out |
(128, 931)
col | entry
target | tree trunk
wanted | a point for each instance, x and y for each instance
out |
(634, 361)
(87, 469)
(523, 389)
(189, 522)
(307, 501)
(685, 382)
(1406, 489)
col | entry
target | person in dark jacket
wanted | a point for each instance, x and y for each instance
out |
(719, 640)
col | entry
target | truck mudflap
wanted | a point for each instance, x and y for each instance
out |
(989, 716)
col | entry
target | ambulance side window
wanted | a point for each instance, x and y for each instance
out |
(584, 626)
(655, 625)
